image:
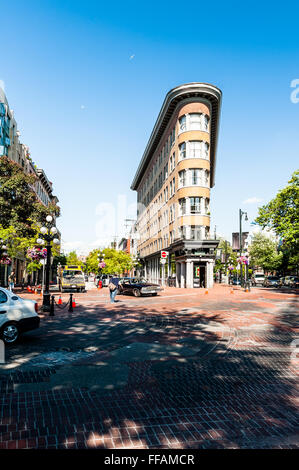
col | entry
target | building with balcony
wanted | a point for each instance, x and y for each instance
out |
(173, 183)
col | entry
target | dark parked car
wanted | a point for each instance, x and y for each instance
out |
(236, 282)
(138, 287)
(271, 281)
(294, 281)
(281, 281)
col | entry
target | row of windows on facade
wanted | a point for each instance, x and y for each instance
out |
(194, 122)
(188, 149)
(186, 206)
(194, 177)
(163, 155)
(186, 232)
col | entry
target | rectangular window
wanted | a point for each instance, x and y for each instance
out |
(195, 205)
(195, 148)
(195, 121)
(195, 232)
(182, 178)
(194, 174)
(182, 203)
(182, 122)
(182, 149)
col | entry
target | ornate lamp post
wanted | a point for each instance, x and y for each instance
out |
(241, 213)
(48, 233)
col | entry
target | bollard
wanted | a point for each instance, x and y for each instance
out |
(51, 314)
(71, 303)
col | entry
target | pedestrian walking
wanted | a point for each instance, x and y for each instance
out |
(11, 281)
(113, 286)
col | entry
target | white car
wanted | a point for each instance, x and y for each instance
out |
(258, 279)
(17, 315)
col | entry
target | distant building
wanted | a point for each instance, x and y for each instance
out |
(124, 245)
(173, 182)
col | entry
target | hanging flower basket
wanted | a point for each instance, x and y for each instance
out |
(243, 260)
(37, 253)
(230, 267)
(6, 260)
(102, 265)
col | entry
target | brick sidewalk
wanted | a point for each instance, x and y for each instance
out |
(186, 369)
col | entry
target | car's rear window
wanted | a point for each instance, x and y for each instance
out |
(259, 275)
(273, 278)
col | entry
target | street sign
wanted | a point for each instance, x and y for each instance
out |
(164, 254)
(163, 261)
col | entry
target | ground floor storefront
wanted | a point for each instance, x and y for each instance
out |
(189, 264)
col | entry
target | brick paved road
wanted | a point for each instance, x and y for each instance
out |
(183, 370)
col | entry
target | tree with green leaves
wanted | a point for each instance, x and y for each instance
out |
(19, 205)
(264, 254)
(117, 262)
(281, 215)
(72, 258)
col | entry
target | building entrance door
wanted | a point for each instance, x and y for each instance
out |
(199, 278)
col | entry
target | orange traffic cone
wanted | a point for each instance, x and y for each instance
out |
(231, 292)
(59, 300)
(41, 293)
(206, 292)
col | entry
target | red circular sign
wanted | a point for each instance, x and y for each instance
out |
(163, 254)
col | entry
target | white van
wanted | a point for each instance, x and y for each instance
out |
(258, 279)
(17, 315)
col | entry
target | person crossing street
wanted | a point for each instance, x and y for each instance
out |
(113, 287)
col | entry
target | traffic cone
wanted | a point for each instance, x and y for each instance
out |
(41, 293)
(231, 291)
(206, 291)
(73, 303)
(28, 289)
(59, 300)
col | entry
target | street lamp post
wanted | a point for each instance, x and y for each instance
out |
(241, 213)
(48, 233)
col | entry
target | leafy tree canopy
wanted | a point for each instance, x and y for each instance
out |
(19, 205)
(281, 214)
(264, 254)
(116, 261)
(72, 258)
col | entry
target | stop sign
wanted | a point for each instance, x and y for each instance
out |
(164, 254)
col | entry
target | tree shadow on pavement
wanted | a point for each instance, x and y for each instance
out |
(208, 388)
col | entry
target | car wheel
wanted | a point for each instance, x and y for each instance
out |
(10, 333)
(154, 294)
(137, 292)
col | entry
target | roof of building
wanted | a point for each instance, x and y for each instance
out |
(189, 90)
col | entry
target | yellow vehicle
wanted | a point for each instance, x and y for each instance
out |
(71, 277)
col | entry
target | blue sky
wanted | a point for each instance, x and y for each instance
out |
(87, 79)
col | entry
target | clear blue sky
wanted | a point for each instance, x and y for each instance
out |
(87, 79)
